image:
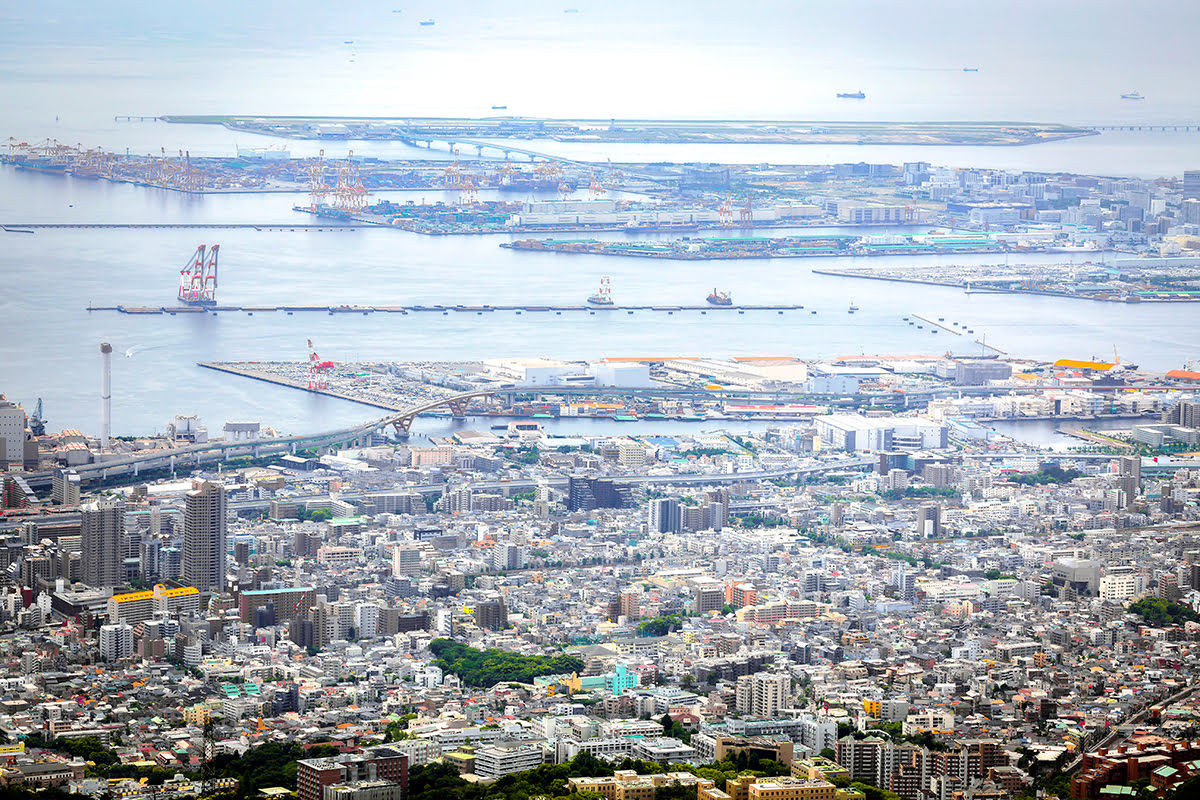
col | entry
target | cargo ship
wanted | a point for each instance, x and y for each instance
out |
(719, 298)
(852, 95)
(603, 295)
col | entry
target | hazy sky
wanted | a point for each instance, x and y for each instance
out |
(620, 58)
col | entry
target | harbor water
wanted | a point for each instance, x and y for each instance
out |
(610, 60)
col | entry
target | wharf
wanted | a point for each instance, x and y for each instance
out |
(461, 309)
(291, 383)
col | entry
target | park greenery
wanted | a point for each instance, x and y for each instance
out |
(756, 521)
(1049, 473)
(486, 668)
(526, 454)
(660, 626)
(1157, 611)
(921, 492)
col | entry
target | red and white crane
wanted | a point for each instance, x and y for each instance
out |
(318, 370)
(198, 278)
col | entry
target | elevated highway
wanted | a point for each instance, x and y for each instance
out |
(220, 450)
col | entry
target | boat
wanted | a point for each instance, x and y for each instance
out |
(1134, 95)
(603, 295)
(427, 22)
(852, 95)
(719, 298)
(852, 308)
(499, 108)
(970, 69)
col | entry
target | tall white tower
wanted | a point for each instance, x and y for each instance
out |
(105, 394)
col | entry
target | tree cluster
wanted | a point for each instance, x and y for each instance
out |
(1157, 611)
(486, 668)
(1049, 473)
(660, 626)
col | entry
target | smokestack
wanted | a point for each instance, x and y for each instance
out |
(105, 395)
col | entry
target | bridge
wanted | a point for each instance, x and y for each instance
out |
(1182, 127)
(419, 139)
(402, 421)
(428, 140)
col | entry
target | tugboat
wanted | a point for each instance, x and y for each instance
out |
(719, 298)
(603, 295)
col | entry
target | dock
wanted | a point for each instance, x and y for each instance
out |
(458, 309)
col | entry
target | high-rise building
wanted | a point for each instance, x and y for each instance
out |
(1129, 479)
(1191, 184)
(506, 555)
(764, 694)
(588, 494)
(929, 520)
(663, 515)
(65, 487)
(116, 641)
(406, 561)
(491, 615)
(629, 603)
(204, 536)
(708, 595)
(12, 434)
(102, 539)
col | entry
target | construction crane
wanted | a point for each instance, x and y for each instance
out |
(36, 423)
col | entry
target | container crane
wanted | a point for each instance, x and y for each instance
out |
(746, 215)
(596, 190)
(317, 187)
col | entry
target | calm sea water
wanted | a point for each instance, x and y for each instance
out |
(66, 73)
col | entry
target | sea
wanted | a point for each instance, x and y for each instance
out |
(68, 71)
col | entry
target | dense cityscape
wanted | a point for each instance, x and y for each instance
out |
(777, 403)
